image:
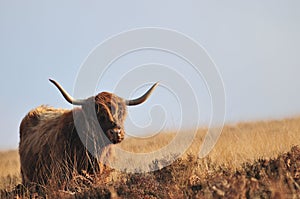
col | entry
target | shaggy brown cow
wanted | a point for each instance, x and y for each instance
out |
(54, 142)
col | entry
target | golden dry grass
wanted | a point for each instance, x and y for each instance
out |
(239, 143)
(249, 141)
(9, 169)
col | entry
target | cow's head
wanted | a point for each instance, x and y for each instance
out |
(110, 110)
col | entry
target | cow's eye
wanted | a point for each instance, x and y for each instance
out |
(102, 118)
(113, 124)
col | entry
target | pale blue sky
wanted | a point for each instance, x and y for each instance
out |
(255, 45)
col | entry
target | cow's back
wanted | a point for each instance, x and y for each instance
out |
(39, 131)
(39, 118)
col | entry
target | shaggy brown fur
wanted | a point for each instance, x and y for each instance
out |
(51, 140)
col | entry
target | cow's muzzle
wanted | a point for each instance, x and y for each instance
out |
(115, 135)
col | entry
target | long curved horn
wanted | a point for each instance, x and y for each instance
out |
(68, 97)
(141, 99)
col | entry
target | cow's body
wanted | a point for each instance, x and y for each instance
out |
(50, 146)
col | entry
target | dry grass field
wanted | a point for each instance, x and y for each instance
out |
(250, 160)
(9, 169)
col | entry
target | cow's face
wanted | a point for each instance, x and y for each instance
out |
(111, 113)
(110, 110)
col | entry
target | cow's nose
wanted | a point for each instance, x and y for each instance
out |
(116, 132)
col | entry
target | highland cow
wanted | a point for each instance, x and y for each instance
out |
(55, 143)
